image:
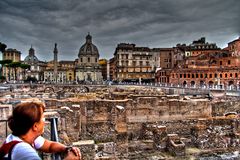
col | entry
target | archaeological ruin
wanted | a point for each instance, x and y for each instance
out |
(134, 122)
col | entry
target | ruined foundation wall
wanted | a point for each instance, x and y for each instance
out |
(123, 121)
(217, 133)
(222, 107)
(152, 109)
(101, 119)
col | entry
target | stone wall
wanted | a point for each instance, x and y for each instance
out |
(5, 112)
(217, 133)
(221, 107)
(125, 121)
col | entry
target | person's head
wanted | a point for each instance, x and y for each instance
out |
(26, 116)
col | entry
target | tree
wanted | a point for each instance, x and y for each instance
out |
(15, 65)
(24, 67)
(5, 63)
(2, 78)
(2, 47)
(2, 63)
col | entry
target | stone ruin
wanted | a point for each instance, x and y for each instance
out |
(140, 123)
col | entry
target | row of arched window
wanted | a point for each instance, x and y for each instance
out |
(205, 75)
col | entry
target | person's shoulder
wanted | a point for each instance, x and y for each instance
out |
(23, 145)
(11, 137)
(24, 150)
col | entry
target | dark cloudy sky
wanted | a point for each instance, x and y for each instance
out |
(147, 23)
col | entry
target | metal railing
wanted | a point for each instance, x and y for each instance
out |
(54, 135)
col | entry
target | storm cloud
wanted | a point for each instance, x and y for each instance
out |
(148, 23)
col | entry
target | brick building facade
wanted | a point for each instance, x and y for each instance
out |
(214, 69)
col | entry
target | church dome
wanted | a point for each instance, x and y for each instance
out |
(31, 58)
(88, 48)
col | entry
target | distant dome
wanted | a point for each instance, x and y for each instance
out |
(88, 48)
(31, 59)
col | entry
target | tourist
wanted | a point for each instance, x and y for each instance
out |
(27, 125)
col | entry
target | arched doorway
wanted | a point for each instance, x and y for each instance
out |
(201, 83)
(184, 84)
(192, 83)
(231, 84)
(210, 84)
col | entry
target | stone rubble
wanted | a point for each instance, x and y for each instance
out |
(130, 123)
